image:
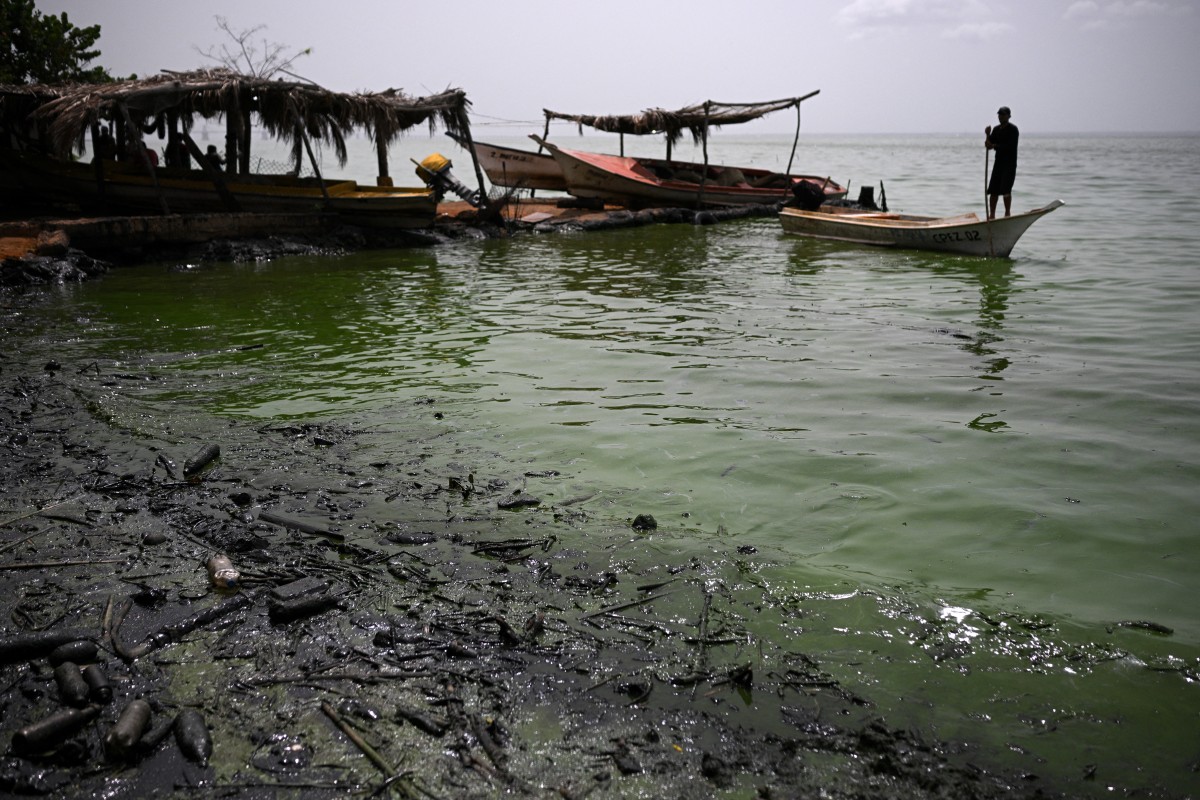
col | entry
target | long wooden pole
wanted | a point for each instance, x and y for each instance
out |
(796, 141)
(704, 144)
(987, 209)
(484, 200)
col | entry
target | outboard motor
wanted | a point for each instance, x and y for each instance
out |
(866, 198)
(435, 171)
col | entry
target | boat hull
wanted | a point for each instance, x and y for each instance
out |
(125, 188)
(636, 182)
(514, 168)
(964, 234)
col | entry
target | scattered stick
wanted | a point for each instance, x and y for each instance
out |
(68, 518)
(630, 604)
(336, 676)
(53, 564)
(297, 525)
(400, 780)
(114, 632)
(484, 737)
(37, 511)
(650, 587)
(11, 545)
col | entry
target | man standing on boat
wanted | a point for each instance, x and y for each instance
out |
(1002, 139)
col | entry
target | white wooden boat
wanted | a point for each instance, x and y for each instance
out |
(644, 182)
(965, 233)
(514, 168)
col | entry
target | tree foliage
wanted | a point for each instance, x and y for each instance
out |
(263, 60)
(37, 48)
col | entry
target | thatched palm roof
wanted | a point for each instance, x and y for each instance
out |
(324, 116)
(19, 101)
(695, 119)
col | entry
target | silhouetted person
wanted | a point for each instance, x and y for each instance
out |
(178, 154)
(214, 157)
(106, 145)
(1002, 139)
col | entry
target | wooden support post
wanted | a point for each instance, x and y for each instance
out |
(119, 134)
(162, 197)
(233, 119)
(97, 161)
(381, 148)
(244, 149)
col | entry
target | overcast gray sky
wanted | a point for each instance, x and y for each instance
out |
(883, 66)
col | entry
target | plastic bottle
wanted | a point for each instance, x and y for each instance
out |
(221, 572)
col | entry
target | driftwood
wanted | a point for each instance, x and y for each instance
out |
(177, 630)
(298, 525)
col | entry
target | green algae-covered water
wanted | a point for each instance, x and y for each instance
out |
(983, 473)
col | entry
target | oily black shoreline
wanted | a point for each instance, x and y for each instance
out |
(541, 673)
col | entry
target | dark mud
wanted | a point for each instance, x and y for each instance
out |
(72, 266)
(450, 623)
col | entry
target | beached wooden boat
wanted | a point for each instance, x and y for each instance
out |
(126, 187)
(514, 168)
(644, 182)
(965, 233)
(46, 127)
